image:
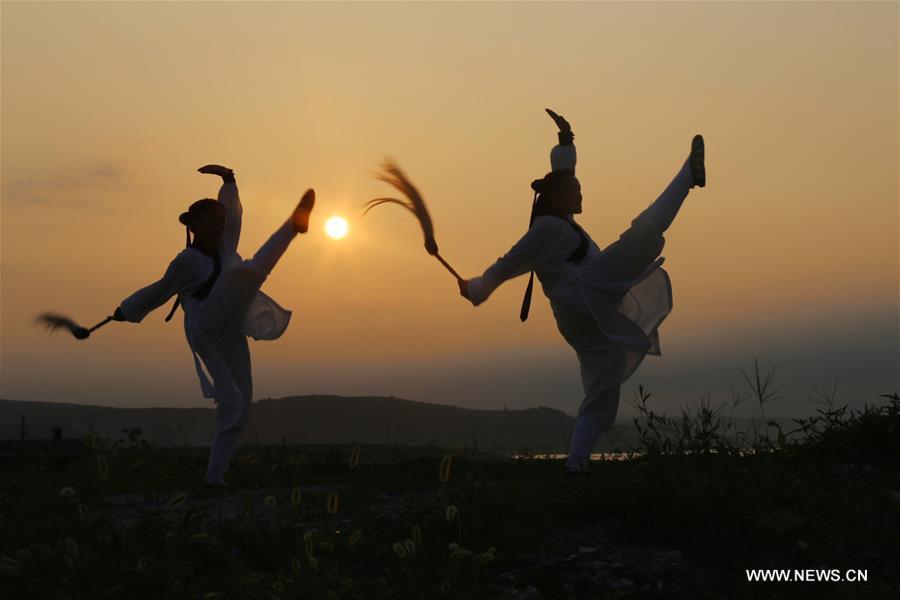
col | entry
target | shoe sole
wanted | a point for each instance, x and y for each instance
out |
(307, 202)
(698, 168)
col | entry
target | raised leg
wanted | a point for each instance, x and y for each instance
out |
(267, 256)
(663, 210)
(692, 173)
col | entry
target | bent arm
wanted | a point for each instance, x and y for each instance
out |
(563, 156)
(228, 196)
(535, 248)
(177, 278)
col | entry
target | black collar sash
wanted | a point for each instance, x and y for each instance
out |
(203, 291)
(576, 257)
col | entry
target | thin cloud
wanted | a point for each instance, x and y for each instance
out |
(65, 188)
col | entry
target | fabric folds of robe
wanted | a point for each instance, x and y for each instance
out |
(608, 307)
(216, 326)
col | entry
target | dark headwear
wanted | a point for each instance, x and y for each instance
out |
(545, 189)
(540, 205)
(193, 214)
(563, 158)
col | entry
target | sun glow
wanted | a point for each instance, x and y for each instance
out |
(336, 227)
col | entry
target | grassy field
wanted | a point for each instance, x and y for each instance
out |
(126, 519)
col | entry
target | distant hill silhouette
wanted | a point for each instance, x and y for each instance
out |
(306, 420)
(327, 420)
(380, 420)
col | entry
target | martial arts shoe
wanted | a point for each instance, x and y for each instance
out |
(300, 218)
(698, 169)
(211, 488)
(576, 468)
(582, 473)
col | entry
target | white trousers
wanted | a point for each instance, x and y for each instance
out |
(598, 417)
(663, 210)
(225, 442)
(601, 403)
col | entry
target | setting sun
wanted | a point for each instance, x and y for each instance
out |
(336, 227)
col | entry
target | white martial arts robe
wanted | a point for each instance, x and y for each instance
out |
(608, 314)
(216, 326)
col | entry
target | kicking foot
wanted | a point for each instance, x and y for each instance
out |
(698, 169)
(300, 218)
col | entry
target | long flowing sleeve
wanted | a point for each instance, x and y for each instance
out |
(540, 244)
(228, 196)
(181, 275)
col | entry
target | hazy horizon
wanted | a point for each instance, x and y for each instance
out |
(791, 254)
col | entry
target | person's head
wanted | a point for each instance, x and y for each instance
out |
(559, 193)
(206, 219)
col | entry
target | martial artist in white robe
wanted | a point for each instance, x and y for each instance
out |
(608, 306)
(217, 326)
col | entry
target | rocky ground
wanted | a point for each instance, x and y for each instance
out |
(590, 561)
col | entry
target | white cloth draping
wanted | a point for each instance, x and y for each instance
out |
(216, 326)
(609, 316)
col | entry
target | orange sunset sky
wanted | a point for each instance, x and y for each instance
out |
(789, 255)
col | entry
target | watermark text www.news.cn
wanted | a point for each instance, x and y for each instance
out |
(814, 575)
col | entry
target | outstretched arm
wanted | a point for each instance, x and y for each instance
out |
(543, 238)
(228, 196)
(537, 246)
(179, 276)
